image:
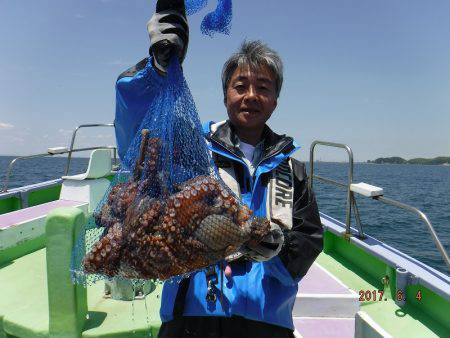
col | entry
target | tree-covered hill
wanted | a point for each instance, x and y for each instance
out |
(398, 160)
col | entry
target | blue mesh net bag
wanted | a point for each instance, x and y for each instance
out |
(217, 21)
(167, 212)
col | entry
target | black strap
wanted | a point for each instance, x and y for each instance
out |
(180, 300)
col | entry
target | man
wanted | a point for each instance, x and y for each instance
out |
(259, 290)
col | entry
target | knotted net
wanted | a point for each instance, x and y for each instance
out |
(217, 21)
(167, 212)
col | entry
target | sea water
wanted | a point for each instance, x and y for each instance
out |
(424, 187)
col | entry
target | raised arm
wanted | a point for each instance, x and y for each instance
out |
(136, 87)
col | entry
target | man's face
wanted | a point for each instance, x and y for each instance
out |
(251, 97)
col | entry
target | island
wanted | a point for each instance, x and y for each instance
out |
(440, 160)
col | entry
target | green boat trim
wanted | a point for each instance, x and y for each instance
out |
(30, 195)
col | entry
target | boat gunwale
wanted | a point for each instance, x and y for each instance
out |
(424, 274)
(30, 188)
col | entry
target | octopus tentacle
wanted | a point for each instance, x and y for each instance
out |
(150, 234)
(105, 254)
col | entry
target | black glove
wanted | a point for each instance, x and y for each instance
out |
(169, 33)
(269, 247)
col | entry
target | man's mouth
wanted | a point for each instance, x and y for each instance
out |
(250, 111)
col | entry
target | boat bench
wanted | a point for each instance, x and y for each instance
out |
(38, 298)
(23, 231)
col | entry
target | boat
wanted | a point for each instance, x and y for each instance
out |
(357, 287)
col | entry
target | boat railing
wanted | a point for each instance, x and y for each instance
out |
(60, 151)
(367, 190)
(72, 142)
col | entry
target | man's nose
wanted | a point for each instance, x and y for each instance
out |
(251, 93)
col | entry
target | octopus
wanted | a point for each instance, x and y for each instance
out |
(161, 235)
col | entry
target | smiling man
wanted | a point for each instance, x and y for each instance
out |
(250, 96)
(261, 283)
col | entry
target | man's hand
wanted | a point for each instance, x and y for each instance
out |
(269, 247)
(169, 34)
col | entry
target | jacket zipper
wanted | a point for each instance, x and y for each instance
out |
(239, 159)
(251, 177)
(274, 154)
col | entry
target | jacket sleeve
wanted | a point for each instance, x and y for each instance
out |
(304, 242)
(135, 90)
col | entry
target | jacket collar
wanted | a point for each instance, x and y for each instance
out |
(223, 133)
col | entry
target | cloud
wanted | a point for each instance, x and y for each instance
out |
(4, 125)
(79, 16)
(103, 136)
(65, 132)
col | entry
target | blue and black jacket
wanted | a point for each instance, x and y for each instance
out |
(261, 291)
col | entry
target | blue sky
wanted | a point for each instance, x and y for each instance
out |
(372, 74)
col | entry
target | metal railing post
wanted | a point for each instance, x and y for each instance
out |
(69, 152)
(10, 167)
(11, 164)
(74, 134)
(424, 218)
(352, 201)
(350, 176)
